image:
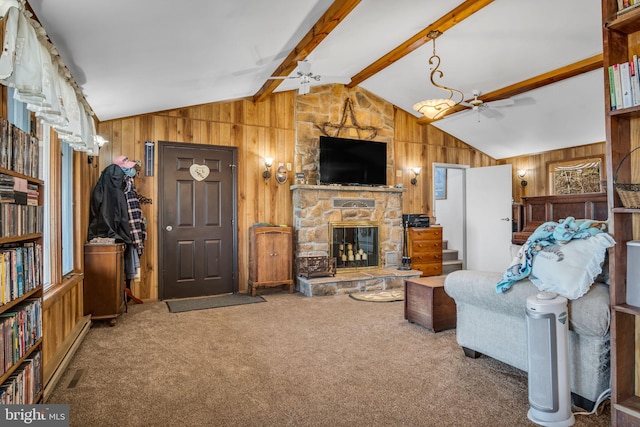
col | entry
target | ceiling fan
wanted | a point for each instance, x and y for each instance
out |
(303, 72)
(476, 103)
(486, 108)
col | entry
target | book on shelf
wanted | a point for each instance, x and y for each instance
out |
(625, 85)
(21, 271)
(21, 329)
(627, 6)
(617, 85)
(612, 88)
(25, 384)
(19, 150)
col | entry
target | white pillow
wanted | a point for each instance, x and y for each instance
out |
(570, 269)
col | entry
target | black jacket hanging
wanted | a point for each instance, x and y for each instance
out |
(108, 215)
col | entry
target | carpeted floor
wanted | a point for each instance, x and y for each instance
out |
(292, 361)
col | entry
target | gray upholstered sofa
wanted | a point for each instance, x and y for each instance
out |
(495, 325)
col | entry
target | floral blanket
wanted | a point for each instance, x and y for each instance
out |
(548, 234)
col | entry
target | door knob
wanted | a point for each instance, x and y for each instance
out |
(168, 228)
(505, 219)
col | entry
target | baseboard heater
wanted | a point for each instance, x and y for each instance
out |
(63, 356)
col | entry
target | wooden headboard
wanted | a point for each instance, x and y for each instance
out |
(540, 209)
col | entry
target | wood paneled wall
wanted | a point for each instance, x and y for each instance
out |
(536, 166)
(268, 129)
(63, 322)
(259, 130)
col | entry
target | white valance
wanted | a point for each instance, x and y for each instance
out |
(30, 63)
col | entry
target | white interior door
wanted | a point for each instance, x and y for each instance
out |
(488, 208)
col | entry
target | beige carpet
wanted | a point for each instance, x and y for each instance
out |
(292, 361)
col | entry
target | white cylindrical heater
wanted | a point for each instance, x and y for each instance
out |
(548, 351)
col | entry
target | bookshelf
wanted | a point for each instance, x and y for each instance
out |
(621, 41)
(21, 287)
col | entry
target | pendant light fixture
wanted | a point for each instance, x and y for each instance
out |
(433, 109)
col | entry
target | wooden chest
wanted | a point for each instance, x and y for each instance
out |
(425, 249)
(427, 304)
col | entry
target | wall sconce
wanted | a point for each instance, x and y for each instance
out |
(416, 171)
(521, 173)
(268, 162)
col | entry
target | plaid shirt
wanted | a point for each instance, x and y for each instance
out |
(136, 220)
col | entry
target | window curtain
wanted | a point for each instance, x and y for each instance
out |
(29, 63)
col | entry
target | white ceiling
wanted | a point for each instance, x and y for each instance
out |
(135, 57)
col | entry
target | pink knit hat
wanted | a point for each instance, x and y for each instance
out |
(123, 162)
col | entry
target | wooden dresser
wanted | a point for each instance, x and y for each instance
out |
(270, 257)
(104, 280)
(425, 249)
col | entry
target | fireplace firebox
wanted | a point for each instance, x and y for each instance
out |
(355, 244)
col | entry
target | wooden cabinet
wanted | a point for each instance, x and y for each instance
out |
(425, 249)
(270, 253)
(621, 40)
(104, 280)
(21, 255)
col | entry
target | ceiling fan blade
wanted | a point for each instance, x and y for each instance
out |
(490, 114)
(280, 77)
(500, 103)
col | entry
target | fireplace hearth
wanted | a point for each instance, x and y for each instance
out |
(360, 226)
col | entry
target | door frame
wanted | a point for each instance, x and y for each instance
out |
(463, 195)
(234, 208)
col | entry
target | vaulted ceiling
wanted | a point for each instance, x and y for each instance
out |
(136, 57)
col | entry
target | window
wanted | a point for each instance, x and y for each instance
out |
(18, 113)
(66, 197)
(45, 166)
(577, 176)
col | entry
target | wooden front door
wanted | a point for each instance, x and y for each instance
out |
(197, 224)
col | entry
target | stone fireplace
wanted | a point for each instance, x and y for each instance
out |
(367, 221)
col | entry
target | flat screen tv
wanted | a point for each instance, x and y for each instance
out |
(352, 161)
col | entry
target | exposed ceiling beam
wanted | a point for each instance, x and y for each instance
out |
(589, 64)
(321, 29)
(447, 21)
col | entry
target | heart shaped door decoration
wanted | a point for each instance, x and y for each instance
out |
(199, 172)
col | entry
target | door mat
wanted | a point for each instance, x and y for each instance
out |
(182, 305)
(380, 296)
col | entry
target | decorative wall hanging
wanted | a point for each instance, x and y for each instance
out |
(334, 129)
(199, 172)
(281, 174)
